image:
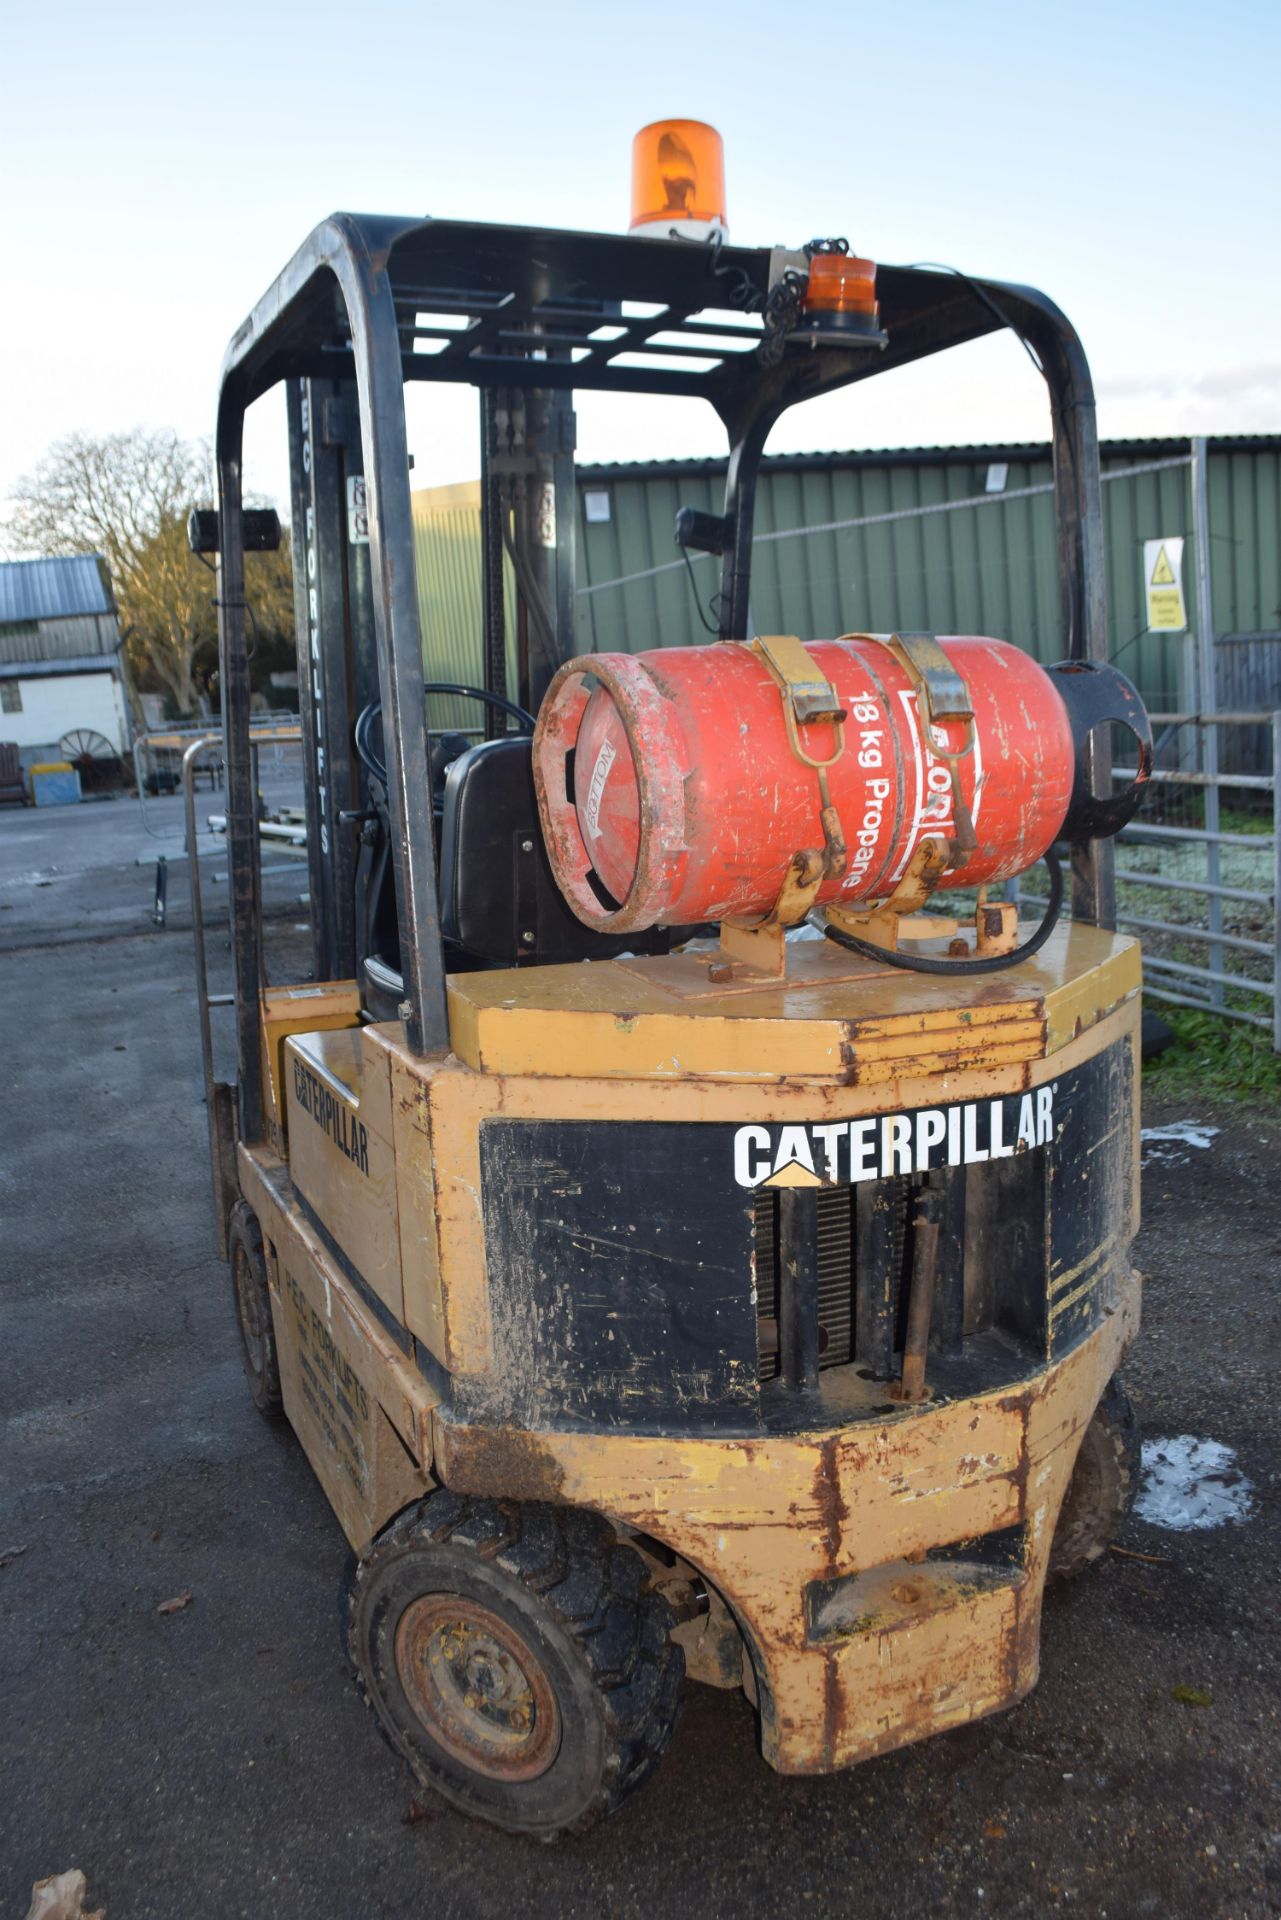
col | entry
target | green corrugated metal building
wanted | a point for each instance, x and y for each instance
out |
(987, 566)
(450, 601)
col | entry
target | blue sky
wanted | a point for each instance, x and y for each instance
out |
(161, 163)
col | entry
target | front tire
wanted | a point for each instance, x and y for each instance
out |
(1102, 1488)
(516, 1658)
(253, 1309)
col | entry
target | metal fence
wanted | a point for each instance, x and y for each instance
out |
(1199, 871)
(159, 760)
(1201, 896)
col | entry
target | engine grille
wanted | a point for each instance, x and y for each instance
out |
(837, 1226)
(864, 1263)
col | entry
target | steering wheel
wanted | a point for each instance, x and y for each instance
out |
(362, 737)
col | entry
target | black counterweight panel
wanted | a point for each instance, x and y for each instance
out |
(620, 1256)
(1088, 1178)
(619, 1261)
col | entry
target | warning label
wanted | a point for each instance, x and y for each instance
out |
(1163, 584)
(331, 1389)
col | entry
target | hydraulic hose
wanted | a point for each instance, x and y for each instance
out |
(990, 963)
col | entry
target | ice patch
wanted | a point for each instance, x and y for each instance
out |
(1165, 1143)
(1190, 1484)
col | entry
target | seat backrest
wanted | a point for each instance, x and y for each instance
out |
(498, 897)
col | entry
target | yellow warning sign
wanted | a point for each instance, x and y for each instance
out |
(1163, 584)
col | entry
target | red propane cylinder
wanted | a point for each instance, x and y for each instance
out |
(670, 795)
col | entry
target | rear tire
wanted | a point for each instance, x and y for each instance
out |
(253, 1309)
(1102, 1488)
(515, 1656)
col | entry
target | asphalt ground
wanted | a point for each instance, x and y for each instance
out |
(215, 1761)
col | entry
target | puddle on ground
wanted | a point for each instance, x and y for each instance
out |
(1171, 1143)
(1189, 1484)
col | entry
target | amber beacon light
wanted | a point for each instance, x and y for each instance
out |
(841, 295)
(678, 180)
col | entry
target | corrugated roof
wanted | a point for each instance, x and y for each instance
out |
(52, 589)
(1155, 448)
(48, 669)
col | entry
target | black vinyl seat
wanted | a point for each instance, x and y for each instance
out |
(499, 902)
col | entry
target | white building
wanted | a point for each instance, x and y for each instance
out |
(60, 660)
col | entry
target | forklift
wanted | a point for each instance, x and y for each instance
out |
(679, 1249)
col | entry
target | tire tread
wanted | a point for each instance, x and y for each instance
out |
(1114, 1425)
(243, 1229)
(573, 1563)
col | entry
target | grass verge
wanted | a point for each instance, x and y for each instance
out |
(1215, 1059)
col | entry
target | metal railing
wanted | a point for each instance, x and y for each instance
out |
(196, 746)
(1206, 847)
(1198, 874)
(179, 750)
(158, 757)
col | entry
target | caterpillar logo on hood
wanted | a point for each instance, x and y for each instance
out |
(841, 1153)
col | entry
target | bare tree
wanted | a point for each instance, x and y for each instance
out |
(127, 496)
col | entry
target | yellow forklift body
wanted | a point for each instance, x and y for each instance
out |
(885, 1564)
(749, 1313)
(301, 1009)
(819, 1543)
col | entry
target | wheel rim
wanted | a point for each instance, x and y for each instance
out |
(477, 1688)
(248, 1311)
